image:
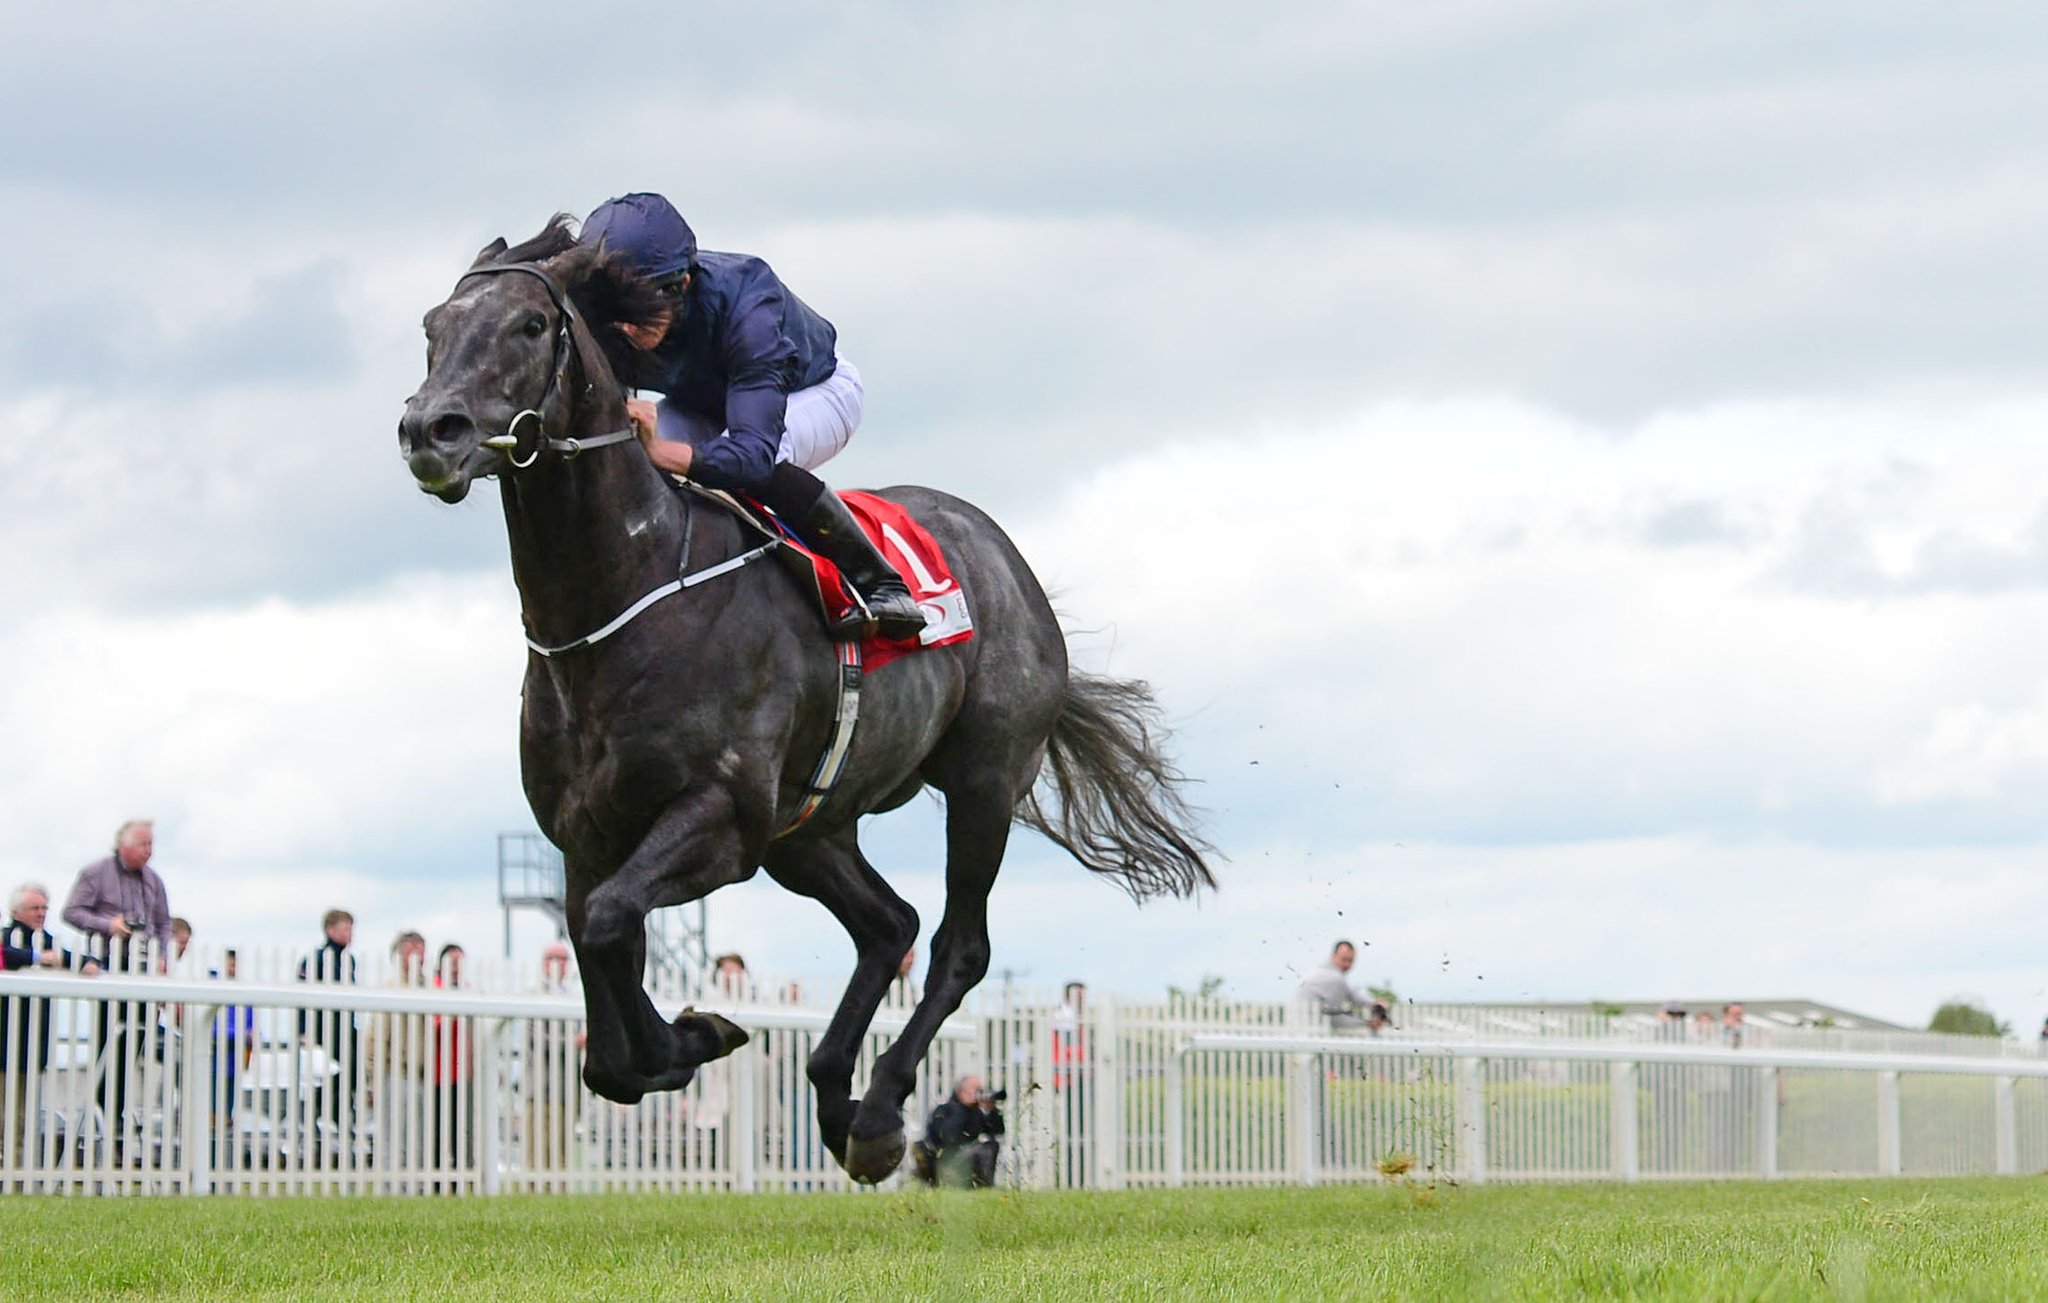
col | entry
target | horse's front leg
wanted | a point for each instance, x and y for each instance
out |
(692, 849)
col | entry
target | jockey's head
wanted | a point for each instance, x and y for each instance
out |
(648, 230)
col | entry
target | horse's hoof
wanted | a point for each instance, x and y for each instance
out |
(717, 1036)
(871, 1162)
(730, 1034)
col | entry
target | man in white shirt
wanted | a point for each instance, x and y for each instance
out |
(1330, 988)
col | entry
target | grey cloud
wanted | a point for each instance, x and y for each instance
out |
(1696, 522)
(1050, 237)
(1832, 549)
(1833, 554)
(1543, 110)
(291, 331)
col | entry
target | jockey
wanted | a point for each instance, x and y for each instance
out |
(754, 394)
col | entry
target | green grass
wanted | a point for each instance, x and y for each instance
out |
(1950, 1239)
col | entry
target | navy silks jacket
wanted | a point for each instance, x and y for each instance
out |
(743, 345)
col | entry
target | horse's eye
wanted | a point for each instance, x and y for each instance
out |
(535, 326)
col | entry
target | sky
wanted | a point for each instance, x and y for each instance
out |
(1571, 472)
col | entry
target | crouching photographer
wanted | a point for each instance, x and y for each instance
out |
(961, 1140)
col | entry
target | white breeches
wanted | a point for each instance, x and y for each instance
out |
(816, 425)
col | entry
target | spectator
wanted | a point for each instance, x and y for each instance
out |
(1329, 987)
(333, 1031)
(554, 969)
(408, 960)
(904, 992)
(181, 936)
(1069, 1034)
(962, 1139)
(452, 1111)
(120, 902)
(1731, 1024)
(729, 977)
(121, 899)
(552, 1067)
(28, 942)
(234, 1048)
(395, 1063)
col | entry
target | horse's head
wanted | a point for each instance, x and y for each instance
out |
(509, 354)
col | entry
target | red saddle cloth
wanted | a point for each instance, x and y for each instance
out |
(915, 553)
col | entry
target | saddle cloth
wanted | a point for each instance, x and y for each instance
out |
(910, 548)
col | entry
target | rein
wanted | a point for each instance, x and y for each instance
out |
(678, 584)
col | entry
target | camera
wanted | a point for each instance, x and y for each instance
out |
(995, 1096)
(136, 923)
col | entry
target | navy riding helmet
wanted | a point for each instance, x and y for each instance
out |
(649, 229)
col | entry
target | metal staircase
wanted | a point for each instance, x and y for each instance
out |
(530, 876)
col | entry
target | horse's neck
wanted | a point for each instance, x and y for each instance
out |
(590, 535)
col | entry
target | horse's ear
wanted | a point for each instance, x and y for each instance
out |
(490, 252)
(575, 264)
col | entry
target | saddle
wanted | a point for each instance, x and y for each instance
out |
(905, 544)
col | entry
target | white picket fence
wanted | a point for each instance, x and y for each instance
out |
(190, 1083)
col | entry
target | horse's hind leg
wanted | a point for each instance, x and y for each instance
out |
(978, 818)
(883, 927)
(691, 850)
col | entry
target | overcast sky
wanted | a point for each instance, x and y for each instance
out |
(1573, 472)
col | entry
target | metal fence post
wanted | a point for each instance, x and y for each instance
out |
(196, 1138)
(1767, 1122)
(1471, 1115)
(1305, 1131)
(746, 1122)
(486, 1076)
(1888, 1157)
(2008, 1126)
(1109, 1098)
(1625, 1138)
(1176, 1117)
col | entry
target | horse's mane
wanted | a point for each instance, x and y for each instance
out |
(604, 286)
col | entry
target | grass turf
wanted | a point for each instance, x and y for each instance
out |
(1945, 1239)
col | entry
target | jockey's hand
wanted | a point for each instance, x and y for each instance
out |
(640, 414)
(671, 455)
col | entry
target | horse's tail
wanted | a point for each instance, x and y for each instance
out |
(1116, 797)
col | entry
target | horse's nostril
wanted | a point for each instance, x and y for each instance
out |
(447, 429)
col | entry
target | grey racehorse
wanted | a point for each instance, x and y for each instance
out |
(667, 758)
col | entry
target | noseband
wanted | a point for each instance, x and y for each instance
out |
(510, 442)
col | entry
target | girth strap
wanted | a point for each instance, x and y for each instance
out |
(833, 763)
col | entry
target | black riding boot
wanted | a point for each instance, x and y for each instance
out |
(808, 506)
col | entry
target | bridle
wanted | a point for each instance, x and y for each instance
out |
(511, 442)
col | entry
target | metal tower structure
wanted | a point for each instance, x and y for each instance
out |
(530, 876)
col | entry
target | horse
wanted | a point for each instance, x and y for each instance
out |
(669, 729)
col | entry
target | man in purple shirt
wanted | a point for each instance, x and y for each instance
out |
(120, 898)
(120, 902)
